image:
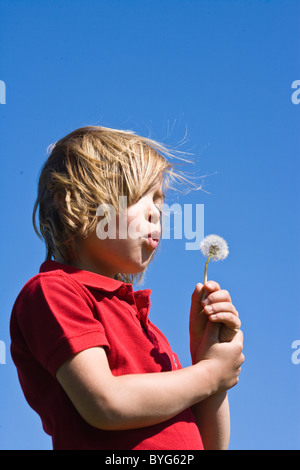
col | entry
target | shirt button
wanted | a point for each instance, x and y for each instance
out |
(143, 315)
(143, 312)
(122, 291)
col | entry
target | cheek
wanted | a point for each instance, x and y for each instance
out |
(135, 223)
(135, 212)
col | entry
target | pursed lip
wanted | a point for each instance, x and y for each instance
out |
(153, 238)
(155, 235)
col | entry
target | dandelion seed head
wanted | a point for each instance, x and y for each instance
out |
(215, 247)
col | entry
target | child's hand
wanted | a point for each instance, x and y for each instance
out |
(222, 360)
(217, 308)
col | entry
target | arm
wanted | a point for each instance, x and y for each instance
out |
(212, 414)
(213, 419)
(139, 400)
(129, 401)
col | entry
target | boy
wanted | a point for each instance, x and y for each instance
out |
(90, 362)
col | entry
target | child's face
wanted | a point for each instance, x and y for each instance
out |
(138, 230)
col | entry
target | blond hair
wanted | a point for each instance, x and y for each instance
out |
(91, 166)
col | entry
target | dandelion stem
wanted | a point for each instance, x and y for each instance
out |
(205, 275)
(205, 269)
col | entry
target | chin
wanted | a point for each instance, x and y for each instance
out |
(137, 268)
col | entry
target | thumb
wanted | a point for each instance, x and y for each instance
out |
(197, 298)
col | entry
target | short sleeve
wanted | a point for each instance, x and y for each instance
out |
(56, 318)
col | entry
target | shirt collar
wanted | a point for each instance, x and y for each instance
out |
(87, 278)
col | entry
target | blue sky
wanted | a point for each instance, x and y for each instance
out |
(219, 73)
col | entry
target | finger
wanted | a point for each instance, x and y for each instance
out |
(217, 296)
(197, 290)
(220, 307)
(197, 295)
(210, 286)
(226, 335)
(239, 340)
(228, 319)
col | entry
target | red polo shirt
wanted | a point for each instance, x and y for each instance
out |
(62, 311)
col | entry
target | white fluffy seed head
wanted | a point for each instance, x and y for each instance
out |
(215, 247)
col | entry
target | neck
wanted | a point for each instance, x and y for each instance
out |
(86, 265)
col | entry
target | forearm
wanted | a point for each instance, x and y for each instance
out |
(213, 419)
(132, 401)
(141, 400)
